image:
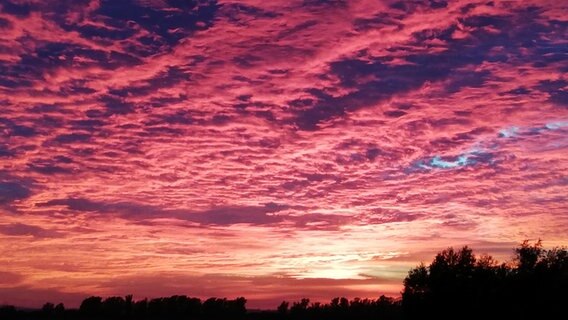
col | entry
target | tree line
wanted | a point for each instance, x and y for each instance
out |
(457, 284)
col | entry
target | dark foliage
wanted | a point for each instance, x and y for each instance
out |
(459, 285)
(174, 307)
(456, 285)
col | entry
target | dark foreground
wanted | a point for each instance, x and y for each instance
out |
(456, 285)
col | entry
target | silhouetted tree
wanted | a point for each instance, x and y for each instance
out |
(140, 309)
(527, 256)
(128, 305)
(283, 308)
(299, 309)
(458, 285)
(383, 308)
(8, 312)
(51, 311)
(92, 306)
(416, 291)
(48, 309)
(59, 310)
(114, 307)
(237, 308)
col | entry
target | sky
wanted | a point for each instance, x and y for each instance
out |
(273, 149)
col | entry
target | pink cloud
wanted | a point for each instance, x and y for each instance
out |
(273, 145)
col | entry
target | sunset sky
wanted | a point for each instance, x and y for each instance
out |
(273, 149)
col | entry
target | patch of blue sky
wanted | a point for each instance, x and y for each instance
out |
(514, 131)
(556, 125)
(437, 162)
(461, 161)
(509, 132)
(479, 153)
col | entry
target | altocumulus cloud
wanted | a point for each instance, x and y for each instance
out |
(302, 135)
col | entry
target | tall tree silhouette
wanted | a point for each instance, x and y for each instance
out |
(458, 285)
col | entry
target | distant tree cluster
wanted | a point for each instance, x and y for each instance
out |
(174, 307)
(456, 285)
(341, 308)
